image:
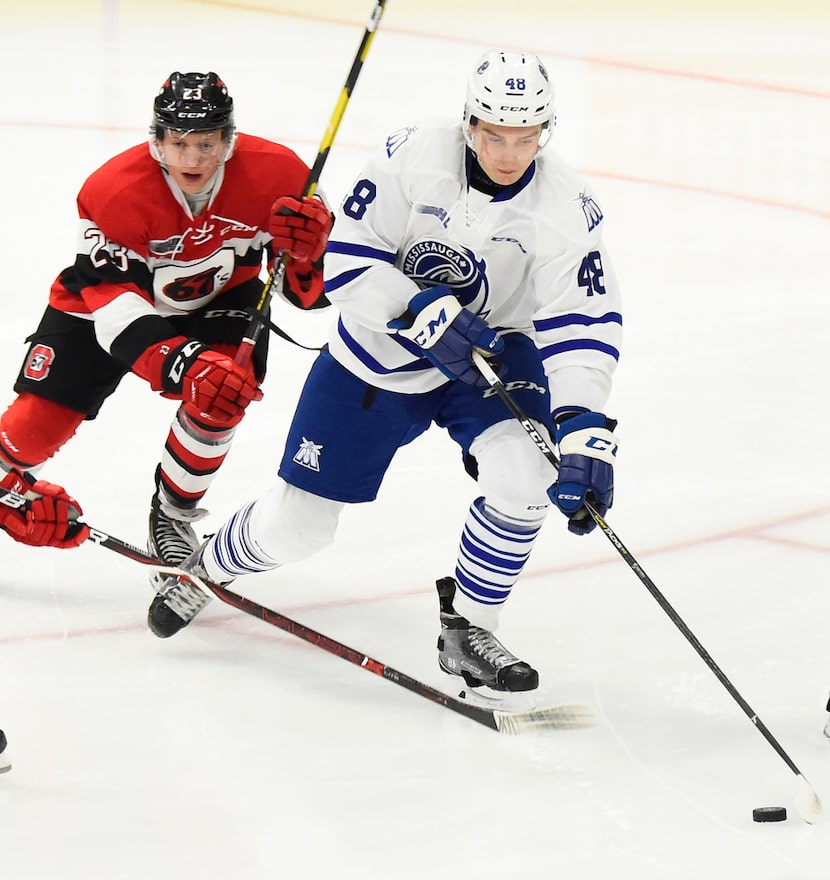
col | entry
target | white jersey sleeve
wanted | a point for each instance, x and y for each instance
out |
(528, 260)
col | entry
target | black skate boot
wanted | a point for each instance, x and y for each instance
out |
(476, 654)
(178, 600)
(171, 538)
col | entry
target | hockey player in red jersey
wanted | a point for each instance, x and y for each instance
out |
(171, 247)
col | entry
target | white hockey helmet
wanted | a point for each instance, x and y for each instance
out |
(510, 88)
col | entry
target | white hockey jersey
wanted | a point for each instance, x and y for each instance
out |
(528, 260)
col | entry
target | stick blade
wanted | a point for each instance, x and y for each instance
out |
(807, 802)
(572, 716)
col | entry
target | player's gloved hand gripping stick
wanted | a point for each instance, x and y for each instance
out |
(446, 333)
(38, 513)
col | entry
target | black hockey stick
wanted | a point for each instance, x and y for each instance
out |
(807, 801)
(555, 717)
(277, 271)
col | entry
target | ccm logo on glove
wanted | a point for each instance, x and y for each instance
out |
(587, 442)
(211, 384)
(447, 333)
(182, 359)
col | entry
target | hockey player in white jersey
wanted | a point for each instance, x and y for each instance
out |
(457, 236)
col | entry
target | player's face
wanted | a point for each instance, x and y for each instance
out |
(505, 151)
(192, 157)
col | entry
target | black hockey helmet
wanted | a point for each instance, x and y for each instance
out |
(193, 102)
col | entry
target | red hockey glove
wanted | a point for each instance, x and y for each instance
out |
(218, 388)
(211, 385)
(300, 227)
(48, 519)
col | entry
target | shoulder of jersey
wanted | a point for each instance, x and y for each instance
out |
(249, 144)
(555, 172)
(576, 205)
(427, 137)
(133, 175)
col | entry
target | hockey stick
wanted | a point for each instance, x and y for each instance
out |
(277, 272)
(554, 717)
(807, 801)
(564, 716)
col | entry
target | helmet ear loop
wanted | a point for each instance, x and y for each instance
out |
(231, 144)
(466, 128)
(547, 134)
(153, 141)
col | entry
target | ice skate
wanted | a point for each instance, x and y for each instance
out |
(475, 654)
(172, 538)
(178, 600)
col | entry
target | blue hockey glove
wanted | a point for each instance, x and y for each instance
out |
(587, 450)
(447, 333)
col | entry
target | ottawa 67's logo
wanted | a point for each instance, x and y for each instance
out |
(39, 362)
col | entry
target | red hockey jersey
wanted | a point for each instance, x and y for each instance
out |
(143, 255)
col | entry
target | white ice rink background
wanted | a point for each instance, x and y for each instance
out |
(235, 750)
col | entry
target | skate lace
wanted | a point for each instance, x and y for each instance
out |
(486, 646)
(186, 599)
(175, 539)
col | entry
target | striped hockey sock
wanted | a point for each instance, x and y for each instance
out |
(493, 551)
(193, 453)
(232, 551)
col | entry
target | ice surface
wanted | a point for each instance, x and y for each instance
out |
(236, 750)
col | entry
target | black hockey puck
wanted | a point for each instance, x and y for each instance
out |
(769, 814)
(5, 763)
